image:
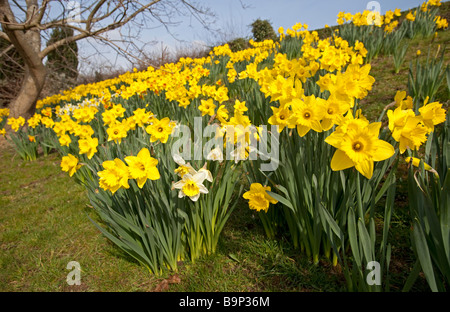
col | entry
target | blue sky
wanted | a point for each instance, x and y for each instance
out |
(284, 13)
(234, 20)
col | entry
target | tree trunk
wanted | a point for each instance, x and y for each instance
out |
(28, 45)
(32, 85)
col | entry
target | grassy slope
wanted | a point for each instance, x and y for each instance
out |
(44, 225)
(387, 82)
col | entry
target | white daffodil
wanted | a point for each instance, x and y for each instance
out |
(208, 175)
(215, 154)
(192, 185)
(184, 167)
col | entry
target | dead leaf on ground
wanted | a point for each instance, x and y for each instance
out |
(164, 284)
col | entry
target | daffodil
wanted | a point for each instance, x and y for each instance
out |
(307, 114)
(118, 110)
(65, 140)
(207, 107)
(114, 176)
(240, 106)
(398, 117)
(16, 123)
(116, 132)
(416, 162)
(222, 114)
(183, 167)
(334, 108)
(432, 114)
(70, 164)
(358, 147)
(215, 154)
(402, 102)
(88, 146)
(141, 117)
(192, 185)
(258, 198)
(34, 121)
(280, 117)
(142, 167)
(160, 130)
(412, 135)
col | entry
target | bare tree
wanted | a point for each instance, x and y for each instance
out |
(25, 24)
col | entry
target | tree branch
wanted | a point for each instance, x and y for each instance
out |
(6, 50)
(89, 33)
(4, 36)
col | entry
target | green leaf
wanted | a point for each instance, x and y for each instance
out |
(424, 255)
(281, 199)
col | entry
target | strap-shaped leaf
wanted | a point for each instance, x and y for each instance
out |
(423, 254)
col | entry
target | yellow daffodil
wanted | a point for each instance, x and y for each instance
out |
(16, 123)
(258, 198)
(402, 102)
(412, 135)
(334, 109)
(280, 117)
(117, 132)
(118, 110)
(88, 146)
(240, 106)
(142, 167)
(141, 117)
(398, 117)
(109, 118)
(207, 107)
(432, 114)
(47, 122)
(307, 114)
(358, 147)
(160, 130)
(115, 175)
(416, 162)
(70, 164)
(65, 140)
(222, 114)
(34, 121)
(4, 112)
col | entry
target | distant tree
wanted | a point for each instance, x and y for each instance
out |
(238, 44)
(62, 62)
(262, 30)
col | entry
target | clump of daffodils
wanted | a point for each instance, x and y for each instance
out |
(116, 173)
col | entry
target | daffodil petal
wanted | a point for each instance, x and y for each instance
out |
(384, 151)
(341, 161)
(365, 167)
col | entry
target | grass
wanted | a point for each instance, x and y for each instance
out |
(387, 82)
